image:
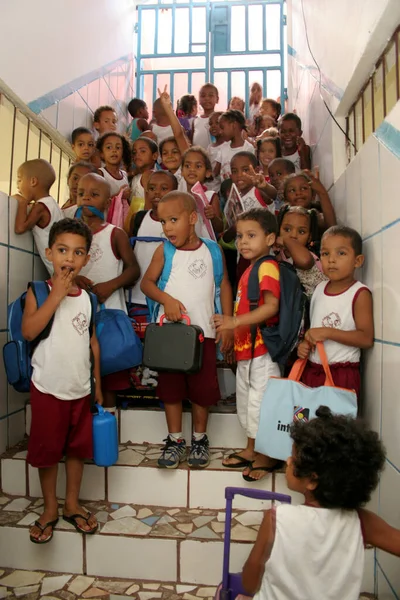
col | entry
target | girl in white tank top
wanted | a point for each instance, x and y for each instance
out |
(315, 551)
(115, 151)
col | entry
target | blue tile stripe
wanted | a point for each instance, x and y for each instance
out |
(20, 249)
(15, 412)
(389, 136)
(69, 88)
(388, 582)
(387, 343)
(388, 226)
(326, 83)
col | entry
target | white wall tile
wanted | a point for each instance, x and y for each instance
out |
(3, 435)
(389, 169)
(353, 194)
(51, 114)
(16, 428)
(384, 590)
(63, 555)
(3, 381)
(13, 476)
(66, 116)
(24, 240)
(338, 197)
(389, 507)
(132, 558)
(40, 272)
(148, 486)
(201, 562)
(372, 277)
(391, 283)
(370, 187)
(322, 156)
(207, 489)
(372, 387)
(16, 400)
(225, 431)
(390, 403)
(3, 218)
(141, 426)
(92, 488)
(390, 566)
(21, 268)
(368, 581)
(3, 286)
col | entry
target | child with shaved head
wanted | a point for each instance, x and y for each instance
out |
(34, 180)
(190, 290)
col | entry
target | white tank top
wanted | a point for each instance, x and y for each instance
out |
(192, 282)
(41, 234)
(70, 211)
(201, 132)
(137, 187)
(318, 554)
(295, 159)
(144, 252)
(61, 362)
(115, 184)
(215, 184)
(162, 132)
(336, 311)
(104, 265)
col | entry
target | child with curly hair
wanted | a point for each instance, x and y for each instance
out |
(316, 550)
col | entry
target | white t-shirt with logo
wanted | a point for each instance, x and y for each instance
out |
(226, 153)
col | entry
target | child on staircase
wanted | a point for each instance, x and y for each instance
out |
(190, 290)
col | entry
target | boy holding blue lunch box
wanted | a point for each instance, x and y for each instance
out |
(62, 336)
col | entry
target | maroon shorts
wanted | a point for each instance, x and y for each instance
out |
(114, 382)
(59, 428)
(345, 375)
(200, 388)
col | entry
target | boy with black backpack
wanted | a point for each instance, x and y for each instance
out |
(260, 337)
(61, 378)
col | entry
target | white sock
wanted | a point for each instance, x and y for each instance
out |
(176, 436)
(198, 436)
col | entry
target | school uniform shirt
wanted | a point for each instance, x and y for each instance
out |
(69, 212)
(192, 282)
(337, 311)
(61, 362)
(105, 265)
(115, 184)
(318, 553)
(295, 159)
(41, 234)
(162, 132)
(215, 184)
(226, 153)
(254, 199)
(268, 278)
(201, 132)
(144, 252)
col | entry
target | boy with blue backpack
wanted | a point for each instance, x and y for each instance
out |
(187, 277)
(61, 331)
(267, 318)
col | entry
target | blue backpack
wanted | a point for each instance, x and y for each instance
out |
(279, 339)
(18, 351)
(218, 268)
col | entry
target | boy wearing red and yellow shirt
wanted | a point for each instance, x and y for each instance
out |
(256, 233)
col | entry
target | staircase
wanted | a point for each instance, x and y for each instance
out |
(155, 525)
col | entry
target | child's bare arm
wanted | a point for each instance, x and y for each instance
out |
(213, 212)
(380, 534)
(328, 212)
(129, 275)
(361, 337)
(35, 319)
(229, 234)
(94, 345)
(142, 125)
(172, 307)
(179, 135)
(26, 220)
(261, 314)
(302, 257)
(254, 567)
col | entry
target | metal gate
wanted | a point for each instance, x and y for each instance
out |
(184, 43)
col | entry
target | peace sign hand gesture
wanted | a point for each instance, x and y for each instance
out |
(164, 96)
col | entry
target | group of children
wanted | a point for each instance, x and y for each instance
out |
(285, 212)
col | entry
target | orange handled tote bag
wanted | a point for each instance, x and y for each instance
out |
(288, 400)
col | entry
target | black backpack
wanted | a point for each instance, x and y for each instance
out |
(279, 339)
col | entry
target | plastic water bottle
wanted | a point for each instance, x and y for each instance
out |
(105, 438)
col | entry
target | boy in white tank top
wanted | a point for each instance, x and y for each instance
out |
(34, 180)
(60, 386)
(190, 290)
(315, 551)
(111, 268)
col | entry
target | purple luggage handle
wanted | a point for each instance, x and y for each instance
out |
(234, 580)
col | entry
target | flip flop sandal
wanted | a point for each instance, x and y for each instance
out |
(42, 529)
(242, 464)
(73, 520)
(266, 469)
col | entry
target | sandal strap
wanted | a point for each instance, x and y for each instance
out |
(79, 516)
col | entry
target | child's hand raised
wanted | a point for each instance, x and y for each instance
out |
(315, 183)
(164, 96)
(257, 179)
(173, 309)
(62, 283)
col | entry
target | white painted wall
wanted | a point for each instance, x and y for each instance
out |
(47, 43)
(347, 39)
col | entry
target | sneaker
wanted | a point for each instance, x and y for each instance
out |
(199, 456)
(172, 454)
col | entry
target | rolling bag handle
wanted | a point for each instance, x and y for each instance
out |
(184, 318)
